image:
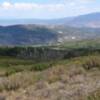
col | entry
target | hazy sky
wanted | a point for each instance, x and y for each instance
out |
(46, 8)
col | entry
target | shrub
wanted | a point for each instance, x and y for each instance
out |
(41, 66)
(94, 96)
(91, 63)
(18, 80)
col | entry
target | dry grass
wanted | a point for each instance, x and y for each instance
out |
(92, 62)
(18, 80)
(67, 80)
(94, 96)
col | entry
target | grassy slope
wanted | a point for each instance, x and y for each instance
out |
(70, 73)
(79, 76)
(73, 76)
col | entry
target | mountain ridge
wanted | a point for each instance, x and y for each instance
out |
(91, 20)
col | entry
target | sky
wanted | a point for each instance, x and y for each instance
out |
(46, 9)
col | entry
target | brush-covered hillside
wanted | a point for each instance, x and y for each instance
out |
(58, 72)
(74, 79)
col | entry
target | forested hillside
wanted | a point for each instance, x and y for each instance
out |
(29, 35)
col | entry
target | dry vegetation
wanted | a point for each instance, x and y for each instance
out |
(74, 79)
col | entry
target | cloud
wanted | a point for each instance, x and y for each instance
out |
(6, 5)
(55, 9)
(31, 6)
(61, 5)
(24, 6)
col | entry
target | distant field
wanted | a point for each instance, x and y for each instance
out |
(53, 52)
(93, 43)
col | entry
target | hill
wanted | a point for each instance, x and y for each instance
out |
(68, 71)
(29, 35)
(73, 79)
(26, 35)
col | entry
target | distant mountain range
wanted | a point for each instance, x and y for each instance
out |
(91, 20)
(48, 32)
